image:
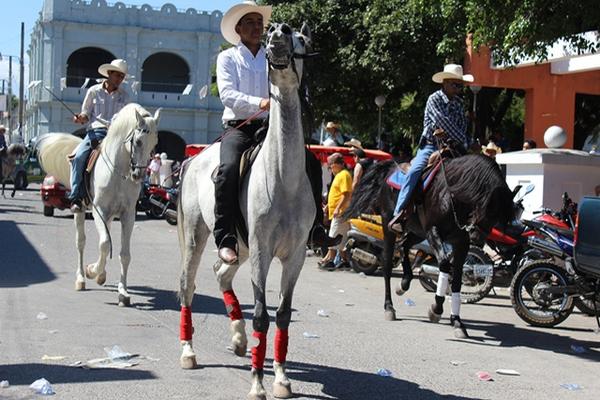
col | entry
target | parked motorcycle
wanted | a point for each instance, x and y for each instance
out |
(365, 249)
(159, 202)
(543, 293)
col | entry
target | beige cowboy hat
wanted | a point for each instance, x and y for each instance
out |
(118, 65)
(235, 13)
(332, 125)
(353, 143)
(2, 128)
(491, 147)
(452, 71)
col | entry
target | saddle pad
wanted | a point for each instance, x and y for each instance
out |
(398, 178)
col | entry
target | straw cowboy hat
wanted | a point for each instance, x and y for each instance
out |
(235, 13)
(332, 125)
(2, 128)
(354, 143)
(491, 147)
(118, 65)
(452, 71)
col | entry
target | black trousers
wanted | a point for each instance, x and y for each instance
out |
(227, 183)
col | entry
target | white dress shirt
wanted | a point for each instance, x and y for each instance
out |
(243, 82)
(100, 106)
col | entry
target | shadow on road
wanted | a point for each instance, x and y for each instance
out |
(20, 264)
(25, 374)
(346, 384)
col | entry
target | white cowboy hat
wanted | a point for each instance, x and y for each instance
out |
(2, 128)
(118, 65)
(353, 143)
(452, 71)
(332, 125)
(235, 13)
(491, 147)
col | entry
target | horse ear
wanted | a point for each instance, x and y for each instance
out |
(157, 116)
(139, 118)
(305, 30)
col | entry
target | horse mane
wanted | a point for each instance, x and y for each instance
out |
(366, 195)
(16, 150)
(124, 122)
(477, 180)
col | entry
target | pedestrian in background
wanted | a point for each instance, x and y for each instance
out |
(362, 165)
(154, 169)
(338, 199)
(334, 136)
(2, 148)
(529, 144)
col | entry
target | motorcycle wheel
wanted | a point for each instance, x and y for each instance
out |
(586, 306)
(171, 221)
(475, 288)
(530, 299)
(154, 212)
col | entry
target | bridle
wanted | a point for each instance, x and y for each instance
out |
(129, 139)
(286, 30)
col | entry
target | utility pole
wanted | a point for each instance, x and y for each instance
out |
(9, 105)
(22, 83)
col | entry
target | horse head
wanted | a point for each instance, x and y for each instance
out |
(141, 141)
(286, 50)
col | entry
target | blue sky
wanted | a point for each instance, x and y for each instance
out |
(27, 11)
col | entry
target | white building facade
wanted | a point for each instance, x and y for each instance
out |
(166, 50)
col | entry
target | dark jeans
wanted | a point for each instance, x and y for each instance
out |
(227, 183)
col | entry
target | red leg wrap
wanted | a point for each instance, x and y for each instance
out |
(281, 345)
(258, 351)
(186, 330)
(232, 305)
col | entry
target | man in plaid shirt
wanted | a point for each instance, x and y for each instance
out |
(444, 117)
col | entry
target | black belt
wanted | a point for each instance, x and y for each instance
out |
(236, 122)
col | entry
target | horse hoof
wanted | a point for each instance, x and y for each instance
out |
(124, 301)
(461, 333)
(389, 315)
(433, 317)
(79, 286)
(257, 396)
(282, 390)
(188, 362)
(239, 350)
(399, 290)
(101, 278)
(88, 272)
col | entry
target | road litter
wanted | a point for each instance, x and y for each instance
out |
(308, 335)
(349, 304)
(41, 316)
(410, 303)
(510, 372)
(116, 353)
(341, 291)
(457, 363)
(46, 357)
(577, 349)
(484, 376)
(42, 386)
(53, 331)
(117, 359)
(323, 313)
(362, 275)
(571, 386)
(384, 372)
(4, 384)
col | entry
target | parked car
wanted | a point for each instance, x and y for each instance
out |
(54, 195)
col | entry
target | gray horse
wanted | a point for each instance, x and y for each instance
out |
(9, 163)
(279, 209)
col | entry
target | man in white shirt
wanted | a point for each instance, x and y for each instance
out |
(242, 78)
(101, 103)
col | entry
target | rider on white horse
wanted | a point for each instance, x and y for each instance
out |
(243, 84)
(101, 103)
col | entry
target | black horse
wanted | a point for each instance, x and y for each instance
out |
(467, 193)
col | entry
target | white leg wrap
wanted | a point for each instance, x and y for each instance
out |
(442, 284)
(456, 304)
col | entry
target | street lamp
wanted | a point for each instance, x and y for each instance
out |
(475, 89)
(379, 101)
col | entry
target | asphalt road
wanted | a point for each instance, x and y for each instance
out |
(37, 274)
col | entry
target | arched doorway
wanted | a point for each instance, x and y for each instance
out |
(172, 144)
(84, 63)
(165, 72)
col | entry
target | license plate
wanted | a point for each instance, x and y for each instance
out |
(483, 270)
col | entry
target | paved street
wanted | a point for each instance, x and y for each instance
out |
(37, 274)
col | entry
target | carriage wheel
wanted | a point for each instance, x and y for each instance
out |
(48, 211)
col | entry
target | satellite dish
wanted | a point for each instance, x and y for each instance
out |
(555, 137)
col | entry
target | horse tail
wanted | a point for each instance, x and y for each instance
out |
(53, 149)
(366, 195)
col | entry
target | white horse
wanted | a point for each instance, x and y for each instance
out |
(9, 163)
(278, 206)
(114, 185)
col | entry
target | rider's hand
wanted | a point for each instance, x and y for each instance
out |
(440, 133)
(265, 104)
(80, 119)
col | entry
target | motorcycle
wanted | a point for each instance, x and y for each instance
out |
(159, 202)
(365, 249)
(543, 293)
